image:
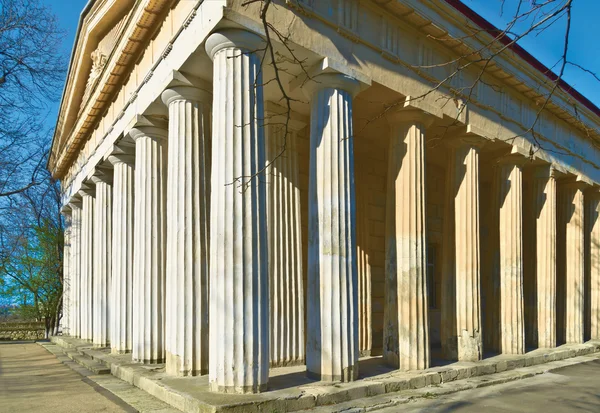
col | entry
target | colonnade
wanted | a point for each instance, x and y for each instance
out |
(181, 254)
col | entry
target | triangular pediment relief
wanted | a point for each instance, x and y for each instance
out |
(100, 56)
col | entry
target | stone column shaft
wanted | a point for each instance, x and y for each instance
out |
(285, 242)
(406, 322)
(571, 215)
(510, 223)
(363, 234)
(102, 261)
(121, 290)
(239, 287)
(87, 266)
(544, 199)
(461, 304)
(332, 336)
(149, 242)
(75, 270)
(66, 295)
(593, 228)
(188, 203)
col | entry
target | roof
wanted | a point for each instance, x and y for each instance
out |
(522, 53)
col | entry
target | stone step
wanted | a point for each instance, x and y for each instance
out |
(89, 363)
(369, 404)
(138, 399)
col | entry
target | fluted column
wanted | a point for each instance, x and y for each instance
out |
(406, 322)
(75, 268)
(87, 264)
(188, 203)
(285, 239)
(572, 270)
(149, 242)
(66, 282)
(511, 333)
(102, 259)
(544, 199)
(363, 235)
(121, 289)
(593, 250)
(461, 304)
(239, 287)
(332, 337)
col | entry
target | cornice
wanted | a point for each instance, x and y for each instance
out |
(72, 129)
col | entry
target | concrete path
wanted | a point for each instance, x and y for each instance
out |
(570, 389)
(33, 380)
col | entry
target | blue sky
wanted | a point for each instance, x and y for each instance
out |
(584, 47)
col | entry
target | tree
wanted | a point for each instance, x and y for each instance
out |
(31, 252)
(31, 73)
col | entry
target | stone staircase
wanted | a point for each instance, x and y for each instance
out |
(96, 371)
(290, 391)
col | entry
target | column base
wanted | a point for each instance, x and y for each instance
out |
(115, 351)
(469, 346)
(238, 389)
(173, 361)
(391, 359)
(348, 374)
(288, 363)
(160, 361)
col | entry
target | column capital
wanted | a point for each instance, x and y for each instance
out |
(101, 177)
(192, 93)
(544, 171)
(234, 38)
(115, 159)
(470, 140)
(75, 201)
(410, 114)
(145, 126)
(577, 182)
(66, 210)
(87, 189)
(331, 80)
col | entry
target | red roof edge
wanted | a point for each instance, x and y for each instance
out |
(525, 55)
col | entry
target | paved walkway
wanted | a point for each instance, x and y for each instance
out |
(570, 389)
(33, 380)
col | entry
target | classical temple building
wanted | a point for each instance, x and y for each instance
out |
(357, 180)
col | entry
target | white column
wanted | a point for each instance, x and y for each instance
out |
(332, 336)
(75, 268)
(544, 198)
(285, 239)
(121, 289)
(188, 202)
(406, 321)
(66, 282)
(461, 304)
(239, 288)
(87, 263)
(149, 242)
(571, 215)
(593, 228)
(510, 224)
(363, 234)
(102, 259)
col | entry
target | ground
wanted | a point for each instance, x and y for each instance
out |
(33, 380)
(571, 389)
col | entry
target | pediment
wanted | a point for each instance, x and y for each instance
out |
(101, 25)
(99, 56)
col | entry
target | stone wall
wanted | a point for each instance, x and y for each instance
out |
(21, 331)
